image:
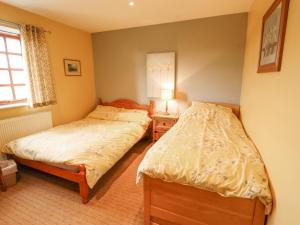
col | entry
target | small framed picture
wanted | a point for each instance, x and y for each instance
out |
(272, 37)
(72, 67)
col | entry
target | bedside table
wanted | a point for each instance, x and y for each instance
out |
(161, 124)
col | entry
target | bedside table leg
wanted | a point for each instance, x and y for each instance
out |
(2, 185)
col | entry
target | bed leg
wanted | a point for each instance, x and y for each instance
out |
(259, 217)
(83, 186)
(147, 201)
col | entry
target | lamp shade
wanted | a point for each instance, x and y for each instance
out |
(166, 94)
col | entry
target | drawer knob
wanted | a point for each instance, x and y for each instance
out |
(164, 124)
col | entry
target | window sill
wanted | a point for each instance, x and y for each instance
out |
(14, 105)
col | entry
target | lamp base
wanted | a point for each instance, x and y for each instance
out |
(166, 110)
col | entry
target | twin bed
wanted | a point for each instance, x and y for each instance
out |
(203, 171)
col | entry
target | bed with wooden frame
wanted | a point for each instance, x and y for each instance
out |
(167, 203)
(77, 174)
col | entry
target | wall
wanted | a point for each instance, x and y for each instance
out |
(209, 53)
(270, 109)
(76, 96)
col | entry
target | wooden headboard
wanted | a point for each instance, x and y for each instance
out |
(130, 104)
(235, 108)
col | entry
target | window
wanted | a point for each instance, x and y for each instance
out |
(13, 88)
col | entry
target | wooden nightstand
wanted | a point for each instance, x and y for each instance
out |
(161, 124)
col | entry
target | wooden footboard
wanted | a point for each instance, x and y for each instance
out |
(77, 177)
(175, 204)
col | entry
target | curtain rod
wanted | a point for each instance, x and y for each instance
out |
(17, 25)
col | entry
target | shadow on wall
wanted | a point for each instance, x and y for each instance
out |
(211, 81)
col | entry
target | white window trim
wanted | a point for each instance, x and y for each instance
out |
(16, 105)
(15, 30)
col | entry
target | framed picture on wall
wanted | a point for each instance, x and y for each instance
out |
(160, 73)
(72, 67)
(273, 35)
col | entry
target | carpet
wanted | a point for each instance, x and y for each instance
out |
(40, 198)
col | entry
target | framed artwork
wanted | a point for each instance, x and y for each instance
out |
(72, 67)
(160, 73)
(273, 35)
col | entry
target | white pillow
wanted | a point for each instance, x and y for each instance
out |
(104, 112)
(120, 114)
(199, 105)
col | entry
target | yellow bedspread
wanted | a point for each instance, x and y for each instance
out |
(208, 149)
(96, 143)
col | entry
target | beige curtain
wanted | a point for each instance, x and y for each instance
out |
(38, 66)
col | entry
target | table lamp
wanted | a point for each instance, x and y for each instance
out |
(166, 94)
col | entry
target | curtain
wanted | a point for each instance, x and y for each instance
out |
(38, 66)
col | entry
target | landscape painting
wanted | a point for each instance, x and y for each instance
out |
(72, 67)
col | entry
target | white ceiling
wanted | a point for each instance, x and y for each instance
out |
(103, 15)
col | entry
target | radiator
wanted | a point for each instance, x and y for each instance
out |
(21, 126)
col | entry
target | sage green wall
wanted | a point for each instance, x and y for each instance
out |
(209, 52)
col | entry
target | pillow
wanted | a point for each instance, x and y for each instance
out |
(120, 114)
(212, 106)
(103, 112)
(138, 116)
(207, 111)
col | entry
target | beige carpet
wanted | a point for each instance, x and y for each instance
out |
(43, 199)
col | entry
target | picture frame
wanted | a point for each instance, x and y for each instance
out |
(160, 69)
(72, 67)
(273, 36)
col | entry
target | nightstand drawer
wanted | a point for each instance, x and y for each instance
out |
(165, 123)
(161, 124)
(162, 128)
(157, 135)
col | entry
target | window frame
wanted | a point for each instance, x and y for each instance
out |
(12, 85)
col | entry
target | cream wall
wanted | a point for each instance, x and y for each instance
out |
(75, 95)
(209, 58)
(270, 106)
